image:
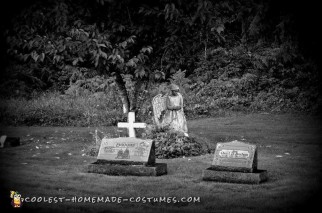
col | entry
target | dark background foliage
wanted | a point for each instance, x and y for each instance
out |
(250, 55)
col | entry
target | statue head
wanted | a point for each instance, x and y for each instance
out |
(174, 89)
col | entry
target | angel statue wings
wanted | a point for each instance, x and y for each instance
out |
(168, 110)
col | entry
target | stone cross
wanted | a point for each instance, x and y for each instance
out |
(131, 125)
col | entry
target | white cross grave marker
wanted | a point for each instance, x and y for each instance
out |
(131, 125)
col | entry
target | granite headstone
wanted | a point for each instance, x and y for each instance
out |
(235, 156)
(235, 162)
(127, 151)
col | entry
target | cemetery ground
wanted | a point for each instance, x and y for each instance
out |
(51, 162)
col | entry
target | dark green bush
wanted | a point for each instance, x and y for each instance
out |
(170, 144)
(238, 55)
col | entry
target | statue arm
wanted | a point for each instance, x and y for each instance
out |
(181, 103)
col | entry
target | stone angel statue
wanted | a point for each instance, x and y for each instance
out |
(168, 110)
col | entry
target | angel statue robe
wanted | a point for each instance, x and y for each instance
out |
(175, 119)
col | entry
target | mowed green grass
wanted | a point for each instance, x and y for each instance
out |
(51, 163)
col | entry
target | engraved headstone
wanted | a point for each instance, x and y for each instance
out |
(235, 162)
(127, 151)
(235, 156)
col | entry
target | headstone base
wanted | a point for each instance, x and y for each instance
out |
(231, 169)
(124, 170)
(256, 177)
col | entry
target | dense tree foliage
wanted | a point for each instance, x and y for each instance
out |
(235, 53)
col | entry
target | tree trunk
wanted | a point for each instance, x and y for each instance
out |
(134, 102)
(122, 93)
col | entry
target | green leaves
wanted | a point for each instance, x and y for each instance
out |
(132, 62)
(85, 44)
(171, 144)
(76, 60)
(147, 49)
(34, 55)
(155, 40)
(140, 72)
(171, 12)
(159, 75)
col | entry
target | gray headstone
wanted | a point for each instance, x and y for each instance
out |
(127, 156)
(235, 162)
(127, 151)
(9, 141)
(2, 140)
(235, 156)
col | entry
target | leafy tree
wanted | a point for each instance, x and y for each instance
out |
(224, 40)
(63, 42)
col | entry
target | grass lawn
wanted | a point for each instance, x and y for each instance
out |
(51, 161)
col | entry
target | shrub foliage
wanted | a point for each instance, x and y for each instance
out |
(248, 55)
(170, 144)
